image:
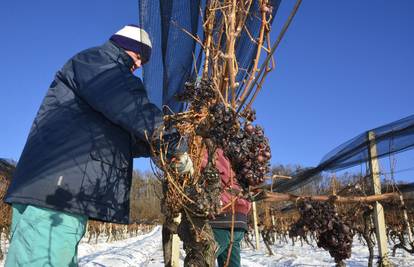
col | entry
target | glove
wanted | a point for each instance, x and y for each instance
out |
(183, 164)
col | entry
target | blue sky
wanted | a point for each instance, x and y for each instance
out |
(342, 68)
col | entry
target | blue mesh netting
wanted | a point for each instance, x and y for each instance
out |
(176, 58)
(175, 52)
(391, 138)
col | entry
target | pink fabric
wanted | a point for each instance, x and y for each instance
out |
(224, 167)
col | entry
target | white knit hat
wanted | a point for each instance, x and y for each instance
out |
(135, 39)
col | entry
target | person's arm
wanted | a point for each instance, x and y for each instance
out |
(140, 148)
(112, 90)
(118, 95)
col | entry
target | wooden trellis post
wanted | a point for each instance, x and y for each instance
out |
(256, 228)
(378, 214)
(274, 225)
(175, 248)
(272, 212)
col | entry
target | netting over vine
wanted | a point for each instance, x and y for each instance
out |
(391, 138)
(177, 57)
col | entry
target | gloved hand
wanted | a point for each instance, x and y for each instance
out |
(183, 164)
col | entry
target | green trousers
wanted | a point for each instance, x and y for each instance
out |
(222, 237)
(43, 237)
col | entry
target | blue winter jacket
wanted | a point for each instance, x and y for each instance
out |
(91, 124)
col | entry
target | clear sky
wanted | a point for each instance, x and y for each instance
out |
(343, 67)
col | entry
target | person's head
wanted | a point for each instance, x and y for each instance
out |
(136, 43)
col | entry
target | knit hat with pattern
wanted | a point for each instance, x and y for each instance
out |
(135, 39)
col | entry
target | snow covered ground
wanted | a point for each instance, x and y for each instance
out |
(145, 250)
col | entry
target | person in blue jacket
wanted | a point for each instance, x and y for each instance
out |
(77, 161)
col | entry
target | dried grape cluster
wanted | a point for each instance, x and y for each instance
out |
(199, 94)
(222, 124)
(247, 148)
(249, 114)
(206, 193)
(249, 152)
(332, 233)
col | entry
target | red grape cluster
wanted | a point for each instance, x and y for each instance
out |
(249, 152)
(247, 148)
(332, 233)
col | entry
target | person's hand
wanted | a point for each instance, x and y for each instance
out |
(183, 164)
